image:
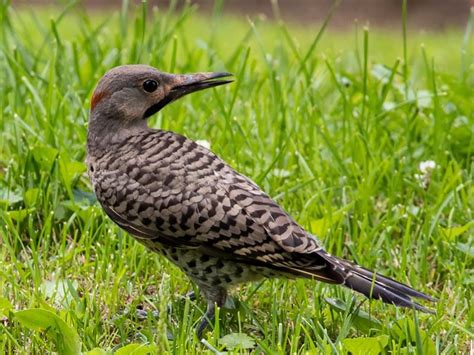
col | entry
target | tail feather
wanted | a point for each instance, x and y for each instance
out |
(393, 284)
(374, 285)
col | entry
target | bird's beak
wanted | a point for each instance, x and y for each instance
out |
(182, 85)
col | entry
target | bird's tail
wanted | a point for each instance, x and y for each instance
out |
(373, 285)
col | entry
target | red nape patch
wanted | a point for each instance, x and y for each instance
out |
(97, 96)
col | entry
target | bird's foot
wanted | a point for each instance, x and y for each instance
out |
(206, 319)
(229, 304)
(216, 297)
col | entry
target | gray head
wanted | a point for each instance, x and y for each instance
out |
(128, 94)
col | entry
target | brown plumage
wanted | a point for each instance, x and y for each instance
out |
(180, 200)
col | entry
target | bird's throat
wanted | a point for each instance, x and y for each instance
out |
(157, 107)
(105, 130)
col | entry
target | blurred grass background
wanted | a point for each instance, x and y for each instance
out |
(337, 124)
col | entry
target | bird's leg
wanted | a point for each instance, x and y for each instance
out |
(206, 319)
(215, 297)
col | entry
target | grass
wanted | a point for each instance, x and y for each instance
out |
(333, 124)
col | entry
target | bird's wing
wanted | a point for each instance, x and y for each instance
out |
(279, 226)
(264, 231)
(143, 233)
(178, 193)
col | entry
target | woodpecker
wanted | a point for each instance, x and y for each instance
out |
(182, 201)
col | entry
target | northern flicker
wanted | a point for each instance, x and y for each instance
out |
(182, 201)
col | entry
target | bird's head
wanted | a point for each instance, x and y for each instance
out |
(132, 93)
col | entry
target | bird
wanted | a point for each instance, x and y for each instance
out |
(182, 201)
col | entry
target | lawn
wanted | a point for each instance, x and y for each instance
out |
(366, 136)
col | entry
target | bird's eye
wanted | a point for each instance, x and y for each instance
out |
(150, 85)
